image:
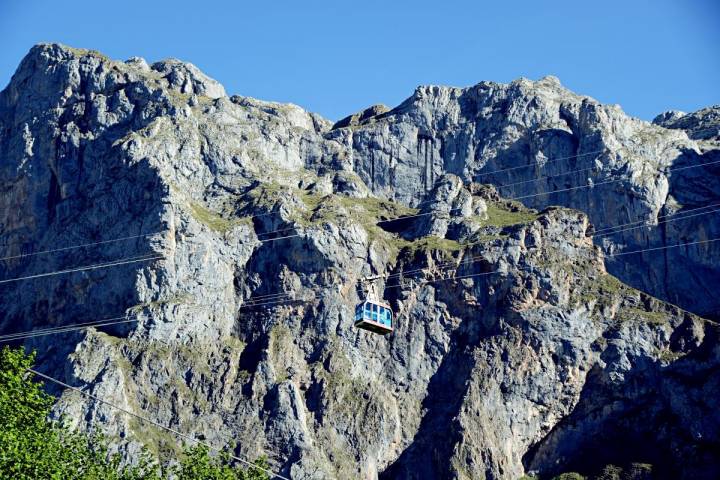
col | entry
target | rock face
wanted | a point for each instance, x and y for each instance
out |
(701, 125)
(241, 230)
(544, 145)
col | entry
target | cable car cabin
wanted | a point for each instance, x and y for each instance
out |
(374, 316)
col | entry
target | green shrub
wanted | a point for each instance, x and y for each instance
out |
(33, 446)
(569, 476)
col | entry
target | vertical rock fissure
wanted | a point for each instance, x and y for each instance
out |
(426, 159)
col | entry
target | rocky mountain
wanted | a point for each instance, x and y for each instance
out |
(500, 220)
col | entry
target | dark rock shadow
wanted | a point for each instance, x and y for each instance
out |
(666, 416)
(427, 457)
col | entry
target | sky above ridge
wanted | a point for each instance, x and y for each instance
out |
(335, 58)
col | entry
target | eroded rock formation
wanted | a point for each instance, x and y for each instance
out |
(514, 350)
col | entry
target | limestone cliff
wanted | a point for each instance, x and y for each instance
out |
(515, 351)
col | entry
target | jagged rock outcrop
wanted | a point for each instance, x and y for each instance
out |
(369, 113)
(514, 350)
(701, 125)
(544, 145)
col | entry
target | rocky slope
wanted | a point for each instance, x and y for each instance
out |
(515, 351)
(544, 145)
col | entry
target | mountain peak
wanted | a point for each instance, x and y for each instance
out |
(530, 242)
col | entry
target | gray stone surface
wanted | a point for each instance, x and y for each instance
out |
(514, 350)
(530, 138)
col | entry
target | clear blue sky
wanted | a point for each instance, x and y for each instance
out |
(336, 57)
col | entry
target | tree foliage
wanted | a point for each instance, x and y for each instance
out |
(198, 464)
(33, 446)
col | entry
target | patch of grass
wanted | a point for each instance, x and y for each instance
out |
(177, 299)
(376, 208)
(609, 284)
(312, 200)
(84, 52)
(160, 443)
(446, 248)
(330, 208)
(367, 212)
(599, 287)
(569, 476)
(266, 195)
(500, 215)
(435, 243)
(244, 375)
(213, 220)
(603, 289)
(232, 343)
(280, 342)
(668, 356)
(655, 318)
(176, 97)
(487, 238)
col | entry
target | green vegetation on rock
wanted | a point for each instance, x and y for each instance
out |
(569, 476)
(633, 471)
(84, 52)
(214, 220)
(446, 248)
(178, 299)
(504, 215)
(198, 464)
(644, 315)
(33, 446)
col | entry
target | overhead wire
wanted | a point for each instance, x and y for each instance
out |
(522, 197)
(546, 177)
(276, 301)
(130, 237)
(454, 278)
(679, 214)
(264, 240)
(15, 336)
(118, 320)
(102, 242)
(475, 259)
(615, 180)
(66, 328)
(158, 425)
(665, 247)
(665, 219)
(535, 164)
(264, 297)
(271, 299)
(98, 266)
(285, 297)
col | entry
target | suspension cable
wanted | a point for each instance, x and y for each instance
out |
(156, 424)
(123, 261)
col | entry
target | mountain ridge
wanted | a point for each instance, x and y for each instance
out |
(524, 366)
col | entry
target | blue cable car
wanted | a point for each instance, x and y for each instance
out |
(373, 315)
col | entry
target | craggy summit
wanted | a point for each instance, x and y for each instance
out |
(525, 239)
